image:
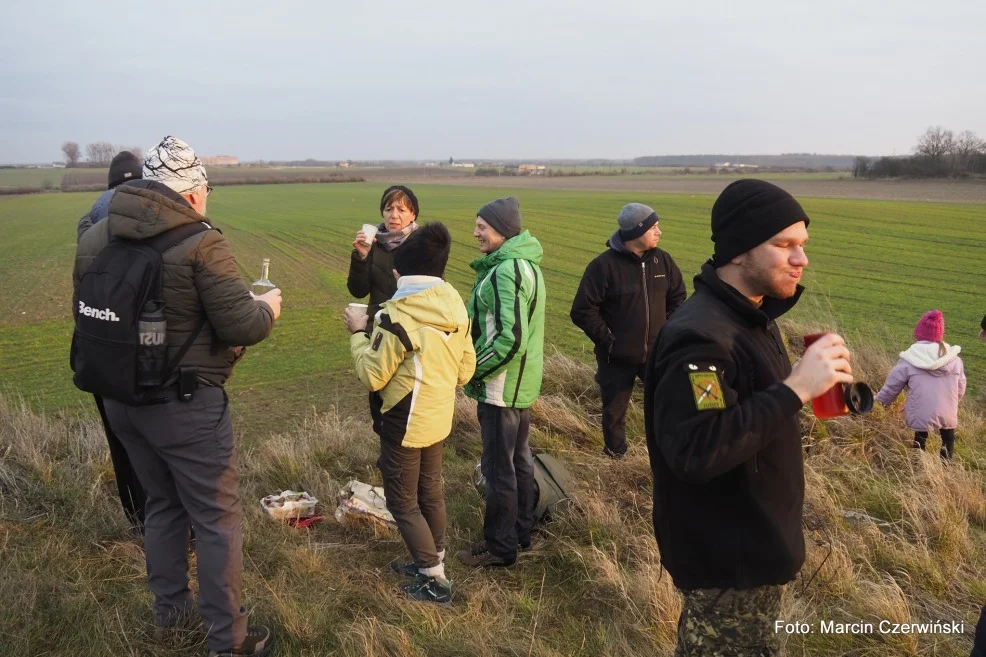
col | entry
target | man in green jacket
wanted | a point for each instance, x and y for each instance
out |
(506, 308)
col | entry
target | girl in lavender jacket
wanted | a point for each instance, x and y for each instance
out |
(933, 375)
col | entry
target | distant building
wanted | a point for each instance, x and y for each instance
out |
(344, 165)
(464, 165)
(58, 165)
(532, 169)
(734, 167)
(221, 161)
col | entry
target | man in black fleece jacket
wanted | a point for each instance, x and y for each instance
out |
(721, 411)
(626, 295)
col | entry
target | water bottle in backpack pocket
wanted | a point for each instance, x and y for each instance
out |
(152, 346)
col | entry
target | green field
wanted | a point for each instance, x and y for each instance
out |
(693, 170)
(72, 578)
(876, 266)
(36, 178)
(25, 180)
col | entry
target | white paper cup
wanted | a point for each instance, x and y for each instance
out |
(360, 308)
(370, 230)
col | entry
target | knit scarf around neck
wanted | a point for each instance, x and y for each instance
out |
(390, 240)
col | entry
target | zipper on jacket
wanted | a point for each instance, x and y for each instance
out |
(643, 273)
(752, 379)
(775, 338)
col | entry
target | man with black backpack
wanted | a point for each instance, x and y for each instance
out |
(160, 313)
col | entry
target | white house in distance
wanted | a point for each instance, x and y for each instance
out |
(735, 167)
(532, 169)
(221, 161)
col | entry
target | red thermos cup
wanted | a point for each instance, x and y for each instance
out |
(832, 403)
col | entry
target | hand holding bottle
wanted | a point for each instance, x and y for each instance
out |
(272, 299)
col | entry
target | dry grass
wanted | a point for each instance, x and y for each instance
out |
(891, 535)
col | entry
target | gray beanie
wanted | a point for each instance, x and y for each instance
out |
(635, 219)
(503, 215)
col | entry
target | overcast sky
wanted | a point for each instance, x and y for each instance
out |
(522, 79)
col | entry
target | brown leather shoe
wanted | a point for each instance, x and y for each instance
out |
(258, 642)
(479, 556)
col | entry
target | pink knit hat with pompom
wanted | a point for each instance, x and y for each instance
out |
(931, 327)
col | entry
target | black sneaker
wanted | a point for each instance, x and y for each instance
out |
(524, 546)
(258, 642)
(407, 569)
(479, 556)
(429, 589)
(616, 456)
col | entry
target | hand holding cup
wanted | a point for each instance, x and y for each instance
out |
(364, 240)
(355, 316)
(824, 364)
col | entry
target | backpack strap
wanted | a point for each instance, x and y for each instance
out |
(161, 243)
(169, 238)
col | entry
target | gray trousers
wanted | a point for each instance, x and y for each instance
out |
(183, 454)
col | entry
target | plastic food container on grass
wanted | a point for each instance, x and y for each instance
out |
(288, 505)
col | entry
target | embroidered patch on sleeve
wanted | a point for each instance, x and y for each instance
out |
(707, 390)
(376, 341)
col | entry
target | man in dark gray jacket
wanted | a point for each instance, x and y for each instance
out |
(125, 167)
(183, 450)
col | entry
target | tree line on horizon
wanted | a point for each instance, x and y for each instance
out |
(939, 153)
(98, 154)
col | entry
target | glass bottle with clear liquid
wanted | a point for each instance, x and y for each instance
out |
(263, 284)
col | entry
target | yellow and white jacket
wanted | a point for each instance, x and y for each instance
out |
(420, 349)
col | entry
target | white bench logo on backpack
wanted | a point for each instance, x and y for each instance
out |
(106, 315)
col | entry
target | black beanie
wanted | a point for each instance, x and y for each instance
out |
(424, 252)
(125, 167)
(503, 215)
(748, 213)
(400, 188)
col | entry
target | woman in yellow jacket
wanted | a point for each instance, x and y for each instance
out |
(420, 349)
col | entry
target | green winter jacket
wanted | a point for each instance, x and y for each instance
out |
(506, 308)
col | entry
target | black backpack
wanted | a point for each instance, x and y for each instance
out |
(123, 280)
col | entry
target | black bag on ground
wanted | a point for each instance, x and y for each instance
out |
(553, 486)
(119, 349)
